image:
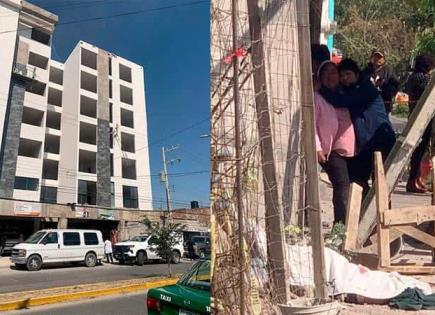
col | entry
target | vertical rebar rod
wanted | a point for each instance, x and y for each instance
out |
(236, 96)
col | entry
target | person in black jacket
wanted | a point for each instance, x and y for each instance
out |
(414, 87)
(383, 77)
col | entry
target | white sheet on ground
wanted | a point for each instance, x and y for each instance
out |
(346, 277)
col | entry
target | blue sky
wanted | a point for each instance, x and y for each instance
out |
(172, 45)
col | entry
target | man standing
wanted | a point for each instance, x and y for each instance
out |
(108, 251)
(383, 77)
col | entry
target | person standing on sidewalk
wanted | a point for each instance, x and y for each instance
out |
(383, 78)
(108, 251)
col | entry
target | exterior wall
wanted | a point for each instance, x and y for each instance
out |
(140, 131)
(11, 139)
(9, 12)
(68, 163)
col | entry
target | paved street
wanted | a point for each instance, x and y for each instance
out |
(55, 276)
(131, 304)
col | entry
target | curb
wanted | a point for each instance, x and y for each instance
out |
(36, 301)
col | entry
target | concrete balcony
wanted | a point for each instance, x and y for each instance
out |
(28, 167)
(89, 120)
(24, 72)
(32, 132)
(87, 147)
(28, 195)
(87, 176)
(54, 108)
(53, 132)
(35, 101)
(89, 70)
(51, 156)
(36, 46)
(89, 94)
(40, 74)
(55, 86)
(49, 182)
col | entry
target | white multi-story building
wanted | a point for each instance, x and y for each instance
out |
(73, 132)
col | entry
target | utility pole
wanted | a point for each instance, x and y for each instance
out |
(165, 177)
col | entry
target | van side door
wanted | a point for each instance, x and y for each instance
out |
(92, 242)
(49, 247)
(72, 249)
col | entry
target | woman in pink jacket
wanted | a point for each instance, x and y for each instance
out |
(335, 140)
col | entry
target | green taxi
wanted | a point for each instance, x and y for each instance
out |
(189, 296)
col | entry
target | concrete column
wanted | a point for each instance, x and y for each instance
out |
(36, 224)
(123, 231)
(103, 130)
(11, 138)
(62, 223)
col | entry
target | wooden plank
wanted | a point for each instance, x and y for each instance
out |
(276, 251)
(399, 156)
(352, 216)
(417, 234)
(409, 215)
(309, 145)
(410, 270)
(382, 206)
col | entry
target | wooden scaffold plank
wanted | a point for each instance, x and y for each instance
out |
(352, 216)
(382, 206)
(399, 156)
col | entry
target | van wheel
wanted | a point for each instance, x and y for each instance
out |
(34, 263)
(202, 254)
(90, 260)
(175, 257)
(140, 259)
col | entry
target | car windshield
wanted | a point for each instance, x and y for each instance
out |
(35, 238)
(198, 276)
(141, 238)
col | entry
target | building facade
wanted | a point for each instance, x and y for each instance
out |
(72, 133)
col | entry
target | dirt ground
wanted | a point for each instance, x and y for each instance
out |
(353, 309)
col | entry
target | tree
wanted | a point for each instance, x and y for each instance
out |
(401, 28)
(166, 237)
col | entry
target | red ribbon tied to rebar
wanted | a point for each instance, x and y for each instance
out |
(241, 52)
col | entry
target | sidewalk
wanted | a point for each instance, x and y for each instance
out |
(5, 262)
(25, 299)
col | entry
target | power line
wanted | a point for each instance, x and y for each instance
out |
(168, 7)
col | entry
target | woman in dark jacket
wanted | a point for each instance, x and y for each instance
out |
(373, 128)
(414, 87)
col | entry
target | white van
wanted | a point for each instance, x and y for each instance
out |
(58, 246)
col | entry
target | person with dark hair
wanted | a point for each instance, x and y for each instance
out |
(319, 54)
(373, 129)
(414, 87)
(335, 139)
(383, 78)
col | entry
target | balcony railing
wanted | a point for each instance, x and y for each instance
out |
(25, 72)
